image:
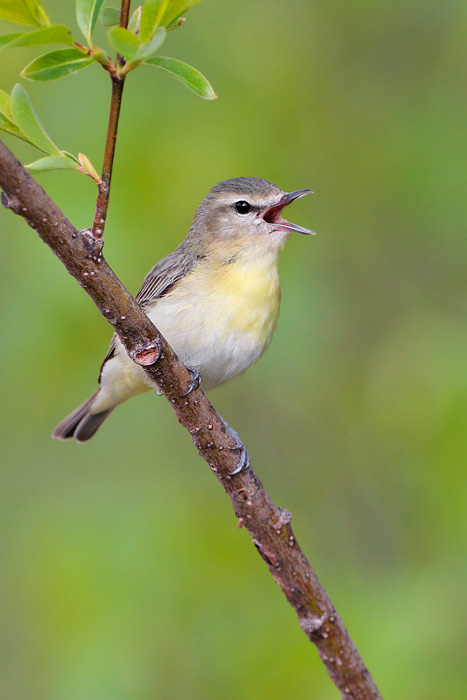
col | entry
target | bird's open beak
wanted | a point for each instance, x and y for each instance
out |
(273, 214)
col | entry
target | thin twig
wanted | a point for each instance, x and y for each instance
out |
(268, 525)
(103, 185)
(125, 13)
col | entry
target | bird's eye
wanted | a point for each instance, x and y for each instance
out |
(242, 207)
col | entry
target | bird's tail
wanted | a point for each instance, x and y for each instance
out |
(81, 424)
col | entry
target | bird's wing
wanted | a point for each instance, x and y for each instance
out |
(164, 276)
(161, 279)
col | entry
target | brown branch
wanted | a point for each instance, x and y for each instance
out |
(125, 13)
(103, 186)
(268, 525)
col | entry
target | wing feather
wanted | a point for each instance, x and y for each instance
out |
(163, 277)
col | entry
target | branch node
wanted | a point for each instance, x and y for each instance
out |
(285, 518)
(313, 626)
(271, 558)
(147, 355)
(92, 243)
(10, 201)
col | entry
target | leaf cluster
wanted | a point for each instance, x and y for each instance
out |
(18, 118)
(134, 45)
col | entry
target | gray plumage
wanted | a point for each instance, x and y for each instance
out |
(80, 424)
(246, 185)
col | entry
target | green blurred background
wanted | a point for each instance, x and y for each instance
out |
(124, 576)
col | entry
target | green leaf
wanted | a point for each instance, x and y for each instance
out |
(135, 21)
(28, 121)
(28, 12)
(10, 128)
(57, 34)
(150, 47)
(87, 12)
(109, 16)
(148, 18)
(124, 42)
(7, 122)
(59, 162)
(8, 38)
(162, 14)
(87, 168)
(70, 155)
(175, 9)
(175, 24)
(5, 105)
(56, 64)
(192, 78)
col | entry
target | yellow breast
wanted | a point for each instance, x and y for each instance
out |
(251, 292)
(221, 317)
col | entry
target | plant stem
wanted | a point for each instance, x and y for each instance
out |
(103, 185)
(125, 13)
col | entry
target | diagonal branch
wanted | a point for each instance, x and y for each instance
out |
(268, 525)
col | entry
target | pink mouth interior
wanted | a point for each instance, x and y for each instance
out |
(273, 215)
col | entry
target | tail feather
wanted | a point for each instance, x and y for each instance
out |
(81, 424)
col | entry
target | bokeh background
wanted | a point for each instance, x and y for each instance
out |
(123, 573)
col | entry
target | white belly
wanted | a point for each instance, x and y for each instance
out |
(220, 335)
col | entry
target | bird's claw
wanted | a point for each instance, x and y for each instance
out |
(195, 380)
(244, 460)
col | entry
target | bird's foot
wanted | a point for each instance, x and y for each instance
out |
(244, 459)
(195, 380)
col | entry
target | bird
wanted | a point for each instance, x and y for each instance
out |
(215, 299)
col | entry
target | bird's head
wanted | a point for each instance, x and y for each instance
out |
(246, 211)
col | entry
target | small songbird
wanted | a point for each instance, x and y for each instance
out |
(215, 298)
